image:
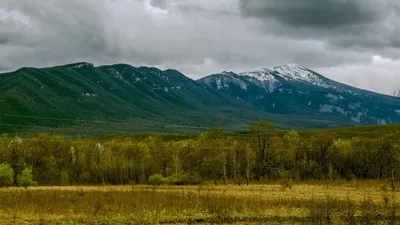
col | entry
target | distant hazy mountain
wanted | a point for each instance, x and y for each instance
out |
(82, 98)
(295, 90)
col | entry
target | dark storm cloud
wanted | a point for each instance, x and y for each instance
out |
(324, 14)
(360, 24)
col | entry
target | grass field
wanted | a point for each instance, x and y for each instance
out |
(336, 202)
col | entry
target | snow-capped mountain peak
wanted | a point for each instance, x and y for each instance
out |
(396, 93)
(289, 72)
(291, 89)
(294, 72)
(260, 74)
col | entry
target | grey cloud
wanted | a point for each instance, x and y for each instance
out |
(380, 75)
(55, 32)
(324, 14)
(162, 4)
(366, 25)
(196, 37)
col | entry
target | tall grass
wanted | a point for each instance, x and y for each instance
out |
(195, 204)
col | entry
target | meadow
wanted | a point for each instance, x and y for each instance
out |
(312, 202)
(262, 176)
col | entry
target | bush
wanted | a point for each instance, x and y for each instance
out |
(85, 177)
(184, 179)
(349, 175)
(6, 175)
(25, 179)
(323, 212)
(286, 180)
(64, 178)
(157, 179)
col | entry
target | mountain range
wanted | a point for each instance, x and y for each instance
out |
(83, 98)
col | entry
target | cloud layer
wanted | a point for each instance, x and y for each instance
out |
(352, 41)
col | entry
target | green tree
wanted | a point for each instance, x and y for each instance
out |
(160, 154)
(293, 145)
(176, 155)
(388, 150)
(215, 147)
(141, 159)
(250, 160)
(25, 179)
(157, 179)
(263, 133)
(17, 159)
(6, 175)
(320, 144)
(238, 146)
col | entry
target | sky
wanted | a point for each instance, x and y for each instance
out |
(352, 41)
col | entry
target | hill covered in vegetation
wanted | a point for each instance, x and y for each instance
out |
(213, 156)
(84, 99)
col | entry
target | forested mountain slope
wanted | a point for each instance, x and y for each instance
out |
(82, 98)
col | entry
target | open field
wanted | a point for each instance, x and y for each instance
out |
(336, 202)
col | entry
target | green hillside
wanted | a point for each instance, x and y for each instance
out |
(81, 99)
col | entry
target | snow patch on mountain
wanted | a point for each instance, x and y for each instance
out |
(356, 119)
(396, 93)
(261, 75)
(333, 97)
(224, 80)
(354, 105)
(268, 85)
(263, 78)
(382, 121)
(221, 84)
(81, 65)
(290, 72)
(116, 74)
(294, 72)
(330, 109)
(89, 94)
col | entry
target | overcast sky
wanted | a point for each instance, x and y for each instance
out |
(353, 41)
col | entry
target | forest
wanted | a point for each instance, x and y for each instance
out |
(215, 156)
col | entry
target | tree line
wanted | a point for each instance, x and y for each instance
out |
(216, 156)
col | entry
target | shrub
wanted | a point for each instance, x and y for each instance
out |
(85, 177)
(184, 179)
(369, 211)
(349, 175)
(286, 180)
(323, 211)
(157, 179)
(25, 179)
(349, 212)
(6, 175)
(64, 178)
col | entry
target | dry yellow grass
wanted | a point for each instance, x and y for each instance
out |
(341, 190)
(183, 204)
